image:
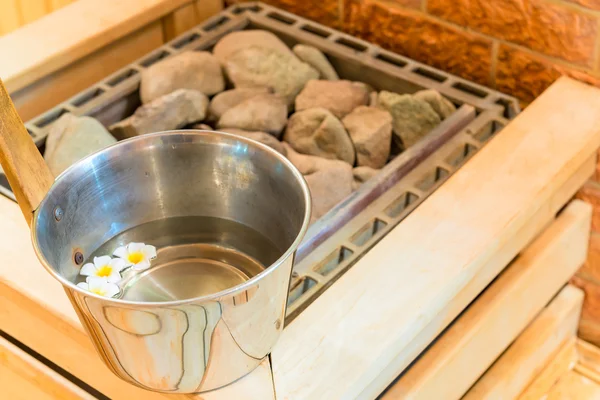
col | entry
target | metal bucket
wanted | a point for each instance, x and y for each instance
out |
(197, 340)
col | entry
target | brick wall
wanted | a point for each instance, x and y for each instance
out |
(516, 46)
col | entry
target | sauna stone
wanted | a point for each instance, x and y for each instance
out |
(441, 105)
(370, 129)
(264, 112)
(412, 118)
(235, 41)
(329, 181)
(361, 175)
(72, 138)
(262, 137)
(196, 70)
(318, 132)
(315, 57)
(339, 97)
(231, 98)
(172, 111)
(259, 66)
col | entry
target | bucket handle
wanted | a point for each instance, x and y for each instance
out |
(26, 170)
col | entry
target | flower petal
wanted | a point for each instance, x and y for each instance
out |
(83, 285)
(135, 247)
(118, 264)
(88, 269)
(95, 282)
(110, 289)
(102, 261)
(142, 265)
(149, 251)
(121, 252)
(114, 276)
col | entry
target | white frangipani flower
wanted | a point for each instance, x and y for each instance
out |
(138, 255)
(99, 286)
(104, 267)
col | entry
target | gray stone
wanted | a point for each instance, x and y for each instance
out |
(239, 40)
(231, 98)
(265, 113)
(258, 66)
(370, 129)
(261, 137)
(196, 70)
(362, 174)
(315, 58)
(411, 118)
(172, 111)
(339, 97)
(72, 138)
(329, 181)
(318, 132)
(441, 105)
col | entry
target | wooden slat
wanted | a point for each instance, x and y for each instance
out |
(59, 86)
(10, 18)
(489, 325)
(371, 323)
(574, 386)
(71, 33)
(589, 360)
(528, 355)
(564, 361)
(33, 9)
(22, 377)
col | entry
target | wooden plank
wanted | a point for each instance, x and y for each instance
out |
(489, 325)
(56, 4)
(208, 8)
(528, 355)
(180, 20)
(10, 17)
(390, 305)
(589, 360)
(574, 386)
(561, 363)
(71, 33)
(366, 328)
(59, 86)
(22, 377)
(32, 10)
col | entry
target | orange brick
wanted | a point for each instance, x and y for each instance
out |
(590, 193)
(423, 38)
(323, 11)
(541, 25)
(591, 268)
(526, 76)
(589, 325)
(591, 4)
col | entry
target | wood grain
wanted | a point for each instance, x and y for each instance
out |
(22, 377)
(365, 329)
(564, 361)
(574, 386)
(10, 18)
(27, 173)
(71, 33)
(472, 343)
(532, 350)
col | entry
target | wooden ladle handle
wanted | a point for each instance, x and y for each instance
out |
(27, 173)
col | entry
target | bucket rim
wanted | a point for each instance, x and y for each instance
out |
(289, 252)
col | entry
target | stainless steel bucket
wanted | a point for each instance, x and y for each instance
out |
(185, 343)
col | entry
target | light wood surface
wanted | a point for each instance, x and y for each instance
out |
(22, 377)
(73, 32)
(457, 359)
(29, 177)
(526, 357)
(362, 332)
(561, 363)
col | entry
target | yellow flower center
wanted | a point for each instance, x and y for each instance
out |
(135, 258)
(99, 292)
(104, 272)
